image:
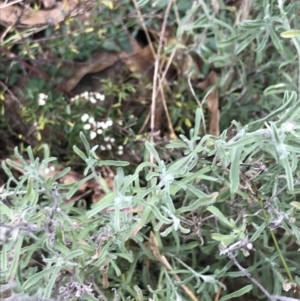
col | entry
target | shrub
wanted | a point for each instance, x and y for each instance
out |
(216, 219)
(223, 203)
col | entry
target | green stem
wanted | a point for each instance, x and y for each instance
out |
(276, 244)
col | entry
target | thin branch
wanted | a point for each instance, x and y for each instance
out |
(156, 69)
(248, 275)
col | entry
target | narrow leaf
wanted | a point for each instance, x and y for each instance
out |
(210, 199)
(296, 205)
(258, 232)
(85, 142)
(34, 279)
(216, 212)
(15, 263)
(6, 211)
(152, 151)
(49, 287)
(79, 153)
(234, 174)
(238, 293)
(104, 203)
(112, 163)
(290, 34)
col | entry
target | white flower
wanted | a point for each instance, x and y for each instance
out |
(41, 102)
(93, 100)
(112, 140)
(94, 148)
(120, 147)
(85, 95)
(99, 132)
(99, 124)
(84, 117)
(93, 135)
(42, 99)
(87, 126)
(99, 96)
(106, 139)
(109, 122)
(120, 152)
(44, 96)
(52, 168)
(92, 120)
(108, 146)
(102, 147)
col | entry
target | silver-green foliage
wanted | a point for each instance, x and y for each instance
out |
(87, 244)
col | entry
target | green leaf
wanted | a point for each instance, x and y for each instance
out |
(244, 44)
(234, 174)
(176, 144)
(223, 44)
(263, 43)
(223, 237)
(296, 205)
(276, 40)
(15, 263)
(14, 164)
(46, 151)
(248, 138)
(30, 154)
(292, 107)
(128, 257)
(51, 282)
(216, 212)
(288, 172)
(238, 293)
(7, 170)
(251, 24)
(197, 122)
(85, 142)
(16, 152)
(152, 151)
(200, 202)
(34, 279)
(275, 89)
(62, 173)
(116, 268)
(4, 258)
(288, 100)
(6, 211)
(184, 21)
(82, 181)
(112, 163)
(290, 34)
(80, 153)
(103, 204)
(73, 190)
(258, 232)
(73, 254)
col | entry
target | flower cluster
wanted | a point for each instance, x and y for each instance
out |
(42, 99)
(93, 97)
(96, 128)
(50, 169)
